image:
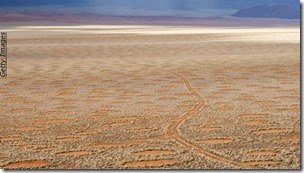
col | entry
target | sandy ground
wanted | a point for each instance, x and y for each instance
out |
(102, 97)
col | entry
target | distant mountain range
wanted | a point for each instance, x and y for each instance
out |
(179, 8)
(241, 4)
(284, 12)
(155, 4)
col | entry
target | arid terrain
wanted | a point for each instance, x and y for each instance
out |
(143, 96)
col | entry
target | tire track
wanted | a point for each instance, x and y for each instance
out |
(174, 127)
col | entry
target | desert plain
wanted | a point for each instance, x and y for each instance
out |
(150, 96)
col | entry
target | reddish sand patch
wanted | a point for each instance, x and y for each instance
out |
(210, 128)
(45, 148)
(66, 89)
(69, 100)
(65, 94)
(26, 164)
(169, 86)
(21, 110)
(126, 118)
(221, 103)
(189, 103)
(295, 106)
(149, 108)
(39, 93)
(10, 139)
(253, 115)
(244, 99)
(286, 97)
(117, 124)
(87, 132)
(290, 110)
(141, 130)
(257, 153)
(67, 139)
(167, 98)
(261, 163)
(210, 122)
(53, 122)
(158, 80)
(287, 91)
(98, 89)
(93, 116)
(51, 112)
(69, 166)
(144, 102)
(224, 87)
(66, 107)
(185, 106)
(27, 128)
(105, 111)
(229, 89)
(73, 153)
(115, 144)
(17, 100)
(271, 131)
(153, 152)
(95, 97)
(122, 98)
(31, 103)
(217, 93)
(265, 102)
(272, 87)
(254, 122)
(145, 95)
(242, 78)
(216, 141)
(288, 140)
(150, 163)
(184, 94)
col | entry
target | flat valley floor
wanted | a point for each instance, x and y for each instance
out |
(157, 97)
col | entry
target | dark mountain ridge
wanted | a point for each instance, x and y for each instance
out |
(283, 12)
